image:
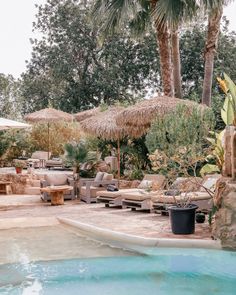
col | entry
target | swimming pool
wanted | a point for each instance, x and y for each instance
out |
(59, 260)
(170, 271)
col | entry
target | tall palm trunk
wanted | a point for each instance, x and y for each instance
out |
(176, 63)
(214, 19)
(163, 38)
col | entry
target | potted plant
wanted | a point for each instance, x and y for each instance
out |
(182, 216)
(19, 165)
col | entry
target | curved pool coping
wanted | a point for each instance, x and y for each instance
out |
(137, 243)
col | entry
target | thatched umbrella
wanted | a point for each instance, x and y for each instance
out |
(6, 124)
(142, 113)
(104, 125)
(48, 116)
(86, 114)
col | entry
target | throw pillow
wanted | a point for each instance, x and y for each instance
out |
(107, 176)
(145, 184)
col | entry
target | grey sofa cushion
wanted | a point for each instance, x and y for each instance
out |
(56, 179)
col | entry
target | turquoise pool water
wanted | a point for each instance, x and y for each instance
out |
(166, 271)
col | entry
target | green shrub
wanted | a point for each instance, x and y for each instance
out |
(176, 142)
(180, 128)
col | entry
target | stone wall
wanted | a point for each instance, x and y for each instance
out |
(224, 226)
(20, 182)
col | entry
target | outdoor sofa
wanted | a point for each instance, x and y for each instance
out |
(58, 180)
(149, 182)
(88, 187)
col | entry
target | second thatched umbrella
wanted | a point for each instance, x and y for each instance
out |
(142, 113)
(49, 115)
(86, 114)
(104, 125)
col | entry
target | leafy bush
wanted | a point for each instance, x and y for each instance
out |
(176, 142)
(4, 144)
(13, 143)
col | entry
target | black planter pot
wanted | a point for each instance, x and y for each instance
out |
(183, 219)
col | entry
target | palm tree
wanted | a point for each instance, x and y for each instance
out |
(214, 20)
(173, 13)
(138, 13)
(166, 15)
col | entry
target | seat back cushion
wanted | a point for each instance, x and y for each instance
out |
(187, 184)
(157, 181)
(40, 155)
(145, 184)
(98, 177)
(56, 179)
(209, 182)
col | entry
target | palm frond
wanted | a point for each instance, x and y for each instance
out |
(174, 12)
(111, 14)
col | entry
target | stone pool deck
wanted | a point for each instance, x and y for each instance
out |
(29, 210)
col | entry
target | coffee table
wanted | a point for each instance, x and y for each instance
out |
(57, 193)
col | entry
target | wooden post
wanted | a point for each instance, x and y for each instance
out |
(118, 160)
(227, 168)
(48, 141)
(233, 149)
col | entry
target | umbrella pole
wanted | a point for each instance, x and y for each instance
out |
(118, 160)
(48, 141)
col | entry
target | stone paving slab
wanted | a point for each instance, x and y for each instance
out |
(123, 220)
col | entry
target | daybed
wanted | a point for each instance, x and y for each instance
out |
(115, 198)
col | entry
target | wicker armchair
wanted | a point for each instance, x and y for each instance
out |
(58, 179)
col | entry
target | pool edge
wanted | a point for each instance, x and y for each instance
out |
(137, 243)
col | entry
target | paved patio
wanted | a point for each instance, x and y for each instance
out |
(29, 210)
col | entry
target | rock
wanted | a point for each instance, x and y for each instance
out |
(224, 227)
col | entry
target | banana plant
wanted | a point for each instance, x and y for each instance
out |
(217, 154)
(228, 112)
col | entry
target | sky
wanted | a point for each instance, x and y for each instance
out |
(16, 18)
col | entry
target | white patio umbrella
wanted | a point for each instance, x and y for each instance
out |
(6, 124)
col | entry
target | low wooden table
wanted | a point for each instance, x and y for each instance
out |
(5, 187)
(57, 193)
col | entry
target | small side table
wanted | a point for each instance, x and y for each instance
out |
(57, 193)
(5, 187)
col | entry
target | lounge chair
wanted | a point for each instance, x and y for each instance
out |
(38, 159)
(159, 201)
(58, 180)
(88, 187)
(116, 198)
(198, 196)
(54, 163)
